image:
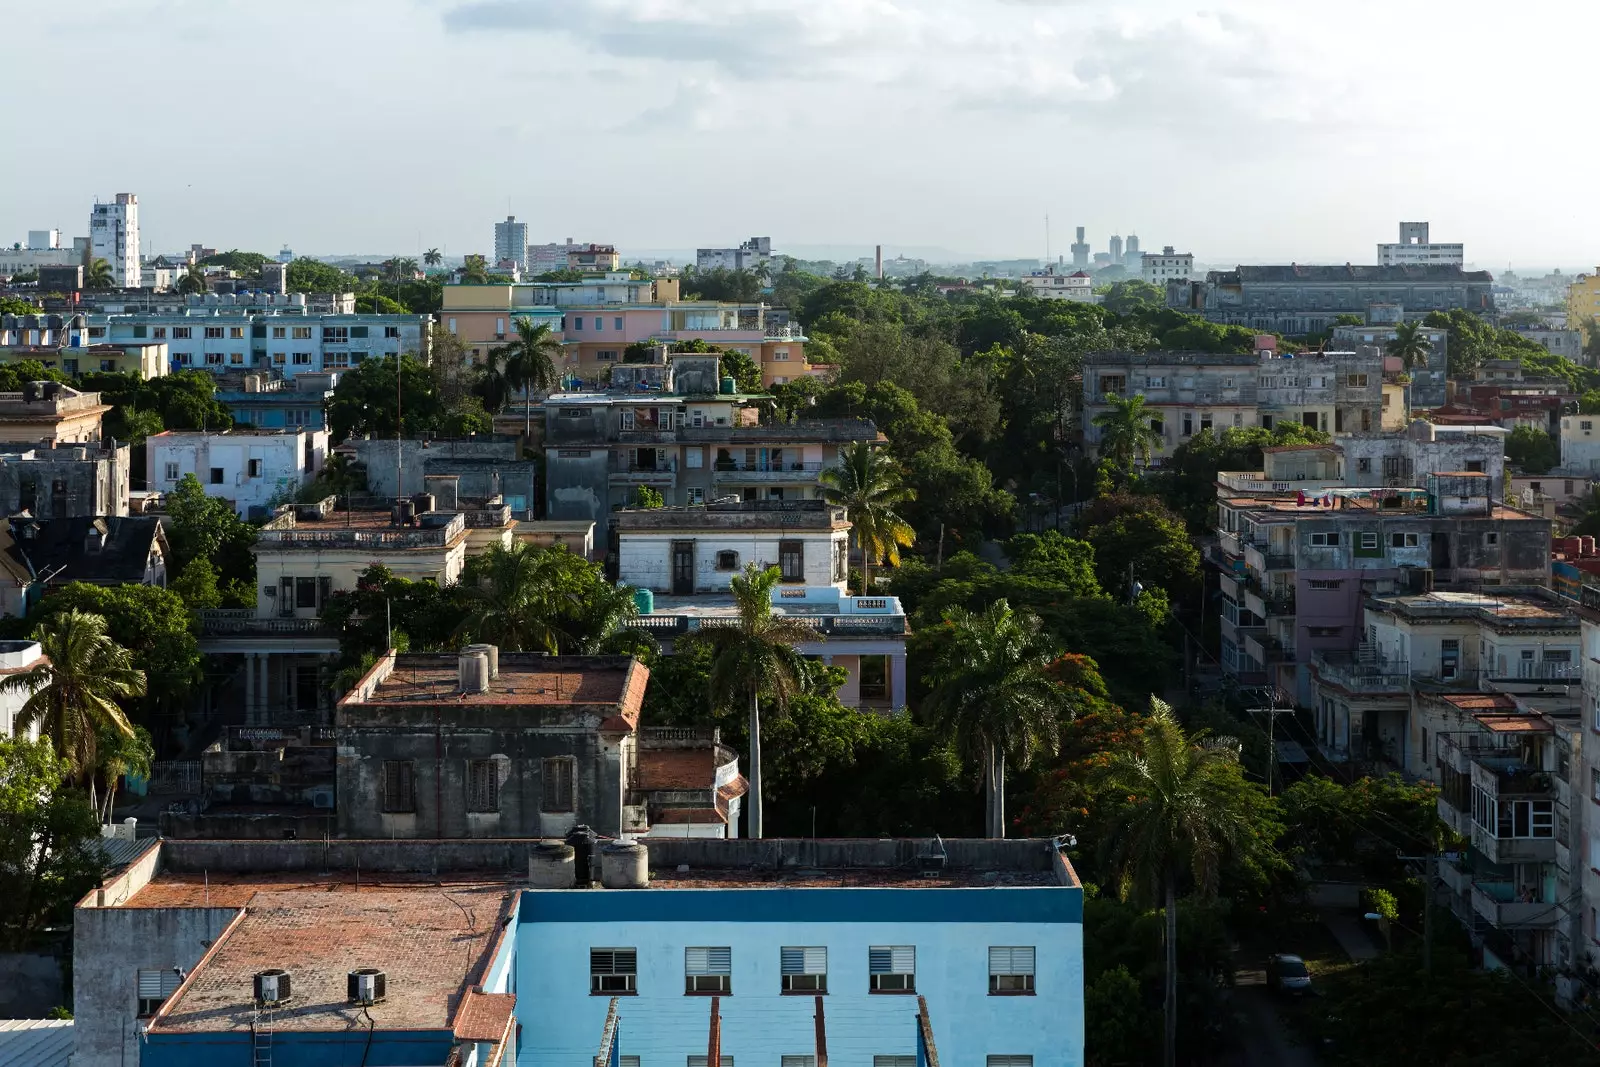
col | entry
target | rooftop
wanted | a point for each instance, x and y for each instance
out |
(1347, 272)
(223, 889)
(433, 943)
(36, 1042)
(1503, 607)
(525, 679)
(745, 514)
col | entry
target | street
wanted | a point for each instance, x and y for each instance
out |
(1265, 1039)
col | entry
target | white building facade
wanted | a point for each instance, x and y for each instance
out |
(1166, 266)
(1580, 443)
(1414, 248)
(251, 469)
(751, 254)
(1077, 287)
(114, 237)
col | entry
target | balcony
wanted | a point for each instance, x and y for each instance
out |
(239, 622)
(1506, 775)
(1497, 902)
(1360, 672)
(1453, 817)
(1456, 877)
(1505, 850)
(372, 537)
(1264, 558)
(765, 474)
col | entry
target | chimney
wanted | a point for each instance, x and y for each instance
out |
(878, 261)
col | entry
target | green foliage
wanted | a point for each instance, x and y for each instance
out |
(248, 264)
(384, 610)
(196, 584)
(14, 375)
(151, 623)
(1053, 557)
(530, 599)
(1126, 434)
(184, 400)
(1532, 450)
(745, 371)
(1121, 298)
(378, 304)
(46, 827)
(873, 492)
(364, 400)
(98, 275)
(1361, 825)
(646, 497)
(720, 283)
(308, 275)
(1188, 482)
(1117, 1023)
(1130, 530)
(15, 305)
(207, 527)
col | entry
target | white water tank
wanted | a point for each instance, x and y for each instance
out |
(625, 866)
(473, 670)
(551, 866)
(492, 652)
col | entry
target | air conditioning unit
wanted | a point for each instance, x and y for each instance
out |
(366, 986)
(322, 798)
(272, 987)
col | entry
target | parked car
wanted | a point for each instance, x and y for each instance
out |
(1288, 974)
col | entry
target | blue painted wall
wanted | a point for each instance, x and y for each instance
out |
(299, 1048)
(951, 929)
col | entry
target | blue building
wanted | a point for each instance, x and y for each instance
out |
(889, 953)
(280, 403)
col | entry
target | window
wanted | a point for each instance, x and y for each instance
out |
(1010, 1061)
(1188, 425)
(700, 1061)
(1325, 539)
(797, 1061)
(399, 785)
(606, 355)
(625, 419)
(1010, 970)
(727, 560)
(894, 1061)
(155, 986)
(805, 970)
(336, 335)
(391, 331)
(216, 475)
(780, 355)
(694, 495)
(279, 358)
(792, 560)
(1324, 583)
(1114, 383)
(618, 322)
(708, 970)
(280, 332)
(627, 1061)
(1403, 540)
(254, 468)
(160, 333)
(305, 592)
(213, 333)
(300, 333)
(1364, 465)
(302, 359)
(577, 322)
(236, 332)
(237, 359)
(1369, 540)
(1491, 539)
(336, 360)
(693, 459)
(1358, 380)
(483, 785)
(1475, 465)
(557, 775)
(1324, 631)
(892, 968)
(613, 971)
(874, 685)
(1155, 382)
(172, 472)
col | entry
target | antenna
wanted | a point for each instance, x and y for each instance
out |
(1047, 238)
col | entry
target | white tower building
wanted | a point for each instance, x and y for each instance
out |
(114, 237)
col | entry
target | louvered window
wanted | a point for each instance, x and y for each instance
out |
(700, 1061)
(399, 785)
(155, 986)
(483, 785)
(1010, 970)
(557, 773)
(708, 970)
(613, 970)
(893, 968)
(797, 1061)
(894, 1061)
(805, 970)
(1010, 1061)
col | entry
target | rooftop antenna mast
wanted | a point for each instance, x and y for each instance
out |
(1047, 238)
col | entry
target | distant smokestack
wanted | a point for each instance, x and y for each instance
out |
(878, 260)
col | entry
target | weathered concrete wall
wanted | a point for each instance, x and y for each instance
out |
(576, 483)
(90, 487)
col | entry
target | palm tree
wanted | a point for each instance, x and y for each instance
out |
(400, 270)
(1187, 807)
(122, 754)
(511, 601)
(529, 364)
(1410, 344)
(432, 257)
(98, 275)
(994, 696)
(754, 654)
(74, 690)
(1126, 435)
(869, 487)
(474, 271)
(193, 280)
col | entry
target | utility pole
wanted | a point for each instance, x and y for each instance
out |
(1430, 868)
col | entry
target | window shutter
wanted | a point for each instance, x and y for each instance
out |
(150, 984)
(614, 961)
(1004, 960)
(892, 959)
(697, 961)
(809, 960)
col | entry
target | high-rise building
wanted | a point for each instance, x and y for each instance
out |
(511, 241)
(1080, 251)
(285, 254)
(1116, 249)
(114, 237)
(1131, 257)
(1415, 248)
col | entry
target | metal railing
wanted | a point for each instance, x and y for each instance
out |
(840, 625)
(385, 537)
(226, 622)
(1360, 672)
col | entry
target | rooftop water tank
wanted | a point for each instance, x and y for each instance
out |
(729, 385)
(644, 600)
(552, 865)
(625, 866)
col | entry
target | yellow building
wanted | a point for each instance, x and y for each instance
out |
(148, 359)
(1583, 301)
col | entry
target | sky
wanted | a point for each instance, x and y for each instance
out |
(1239, 130)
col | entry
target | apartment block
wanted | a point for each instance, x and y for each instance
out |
(1051, 284)
(253, 470)
(884, 951)
(1298, 299)
(751, 255)
(1187, 392)
(1167, 266)
(114, 237)
(1405, 459)
(1427, 388)
(51, 414)
(1414, 247)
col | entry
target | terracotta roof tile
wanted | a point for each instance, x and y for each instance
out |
(485, 1016)
(676, 768)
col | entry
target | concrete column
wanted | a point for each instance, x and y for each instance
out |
(266, 687)
(897, 680)
(250, 687)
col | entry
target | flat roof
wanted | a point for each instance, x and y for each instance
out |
(849, 877)
(1501, 605)
(433, 944)
(524, 678)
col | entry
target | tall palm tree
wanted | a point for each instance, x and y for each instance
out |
(1126, 435)
(432, 257)
(193, 280)
(98, 275)
(402, 269)
(1410, 344)
(527, 363)
(1187, 807)
(74, 690)
(993, 694)
(868, 485)
(754, 654)
(474, 271)
(511, 600)
(121, 754)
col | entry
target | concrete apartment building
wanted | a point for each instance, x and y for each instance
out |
(452, 471)
(1299, 550)
(44, 249)
(71, 481)
(1299, 299)
(1565, 343)
(253, 470)
(1427, 388)
(1414, 248)
(267, 403)
(114, 237)
(1583, 301)
(1050, 284)
(669, 425)
(751, 255)
(511, 242)
(598, 318)
(687, 556)
(1403, 460)
(1580, 443)
(1166, 266)
(284, 337)
(490, 951)
(51, 413)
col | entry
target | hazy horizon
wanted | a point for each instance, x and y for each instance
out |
(1249, 131)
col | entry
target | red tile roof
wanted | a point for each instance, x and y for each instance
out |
(485, 1016)
(1480, 701)
(676, 768)
(689, 815)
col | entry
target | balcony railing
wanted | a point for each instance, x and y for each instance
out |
(1500, 904)
(230, 622)
(837, 625)
(394, 537)
(1360, 673)
(490, 518)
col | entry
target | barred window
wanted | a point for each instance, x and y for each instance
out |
(557, 774)
(399, 785)
(483, 785)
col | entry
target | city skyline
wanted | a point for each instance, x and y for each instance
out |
(1247, 132)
